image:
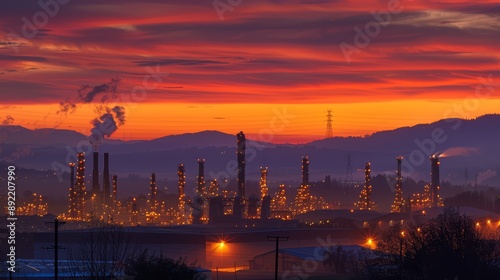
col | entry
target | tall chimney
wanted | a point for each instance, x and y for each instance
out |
(398, 203)
(240, 151)
(264, 190)
(115, 191)
(368, 185)
(434, 180)
(199, 201)
(201, 177)
(79, 188)
(72, 175)
(72, 193)
(153, 190)
(365, 200)
(106, 184)
(96, 188)
(305, 170)
(181, 196)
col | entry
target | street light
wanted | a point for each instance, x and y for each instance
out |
(221, 246)
(370, 243)
(401, 253)
(401, 247)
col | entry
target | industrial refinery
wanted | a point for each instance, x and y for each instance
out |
(215, 206)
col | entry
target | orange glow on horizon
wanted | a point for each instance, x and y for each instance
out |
(276, 123)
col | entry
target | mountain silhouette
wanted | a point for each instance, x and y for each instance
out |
(40, 148)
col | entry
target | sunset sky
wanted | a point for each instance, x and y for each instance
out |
(269, 68)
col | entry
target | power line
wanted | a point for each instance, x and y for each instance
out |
(277, 239)
(56, 246)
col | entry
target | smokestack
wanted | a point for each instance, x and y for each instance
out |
(106, 184)
(199, 201)
(181, 184)
(72, 194)
(264, 190)
(241, 147)
(398, 205)
(434, 180)
(365, 199)
(305, 171)
(368, 185)
(152, 193)
(96, 188)
(201, 177)
(79, 188)
(115, 190)
(72, 175)
(281, 197)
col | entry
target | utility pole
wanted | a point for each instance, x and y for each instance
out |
(56, 246)
(277, 239)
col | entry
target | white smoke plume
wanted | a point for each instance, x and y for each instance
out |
(459, 151)
(106, 124)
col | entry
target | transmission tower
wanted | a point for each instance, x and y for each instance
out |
(329, 121)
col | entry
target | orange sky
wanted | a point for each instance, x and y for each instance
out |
(191, 70)
(280, 123)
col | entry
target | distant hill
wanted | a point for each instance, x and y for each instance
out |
(199, 140)
(478, 138)
(18, 135)
(463, 133)
(15, 134)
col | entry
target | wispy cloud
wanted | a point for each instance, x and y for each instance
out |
(285, 51)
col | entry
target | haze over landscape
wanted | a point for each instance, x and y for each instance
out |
(473, 145)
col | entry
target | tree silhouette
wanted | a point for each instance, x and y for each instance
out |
(146, 267)
(102, 252)
(446, 247)
(340, 260)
